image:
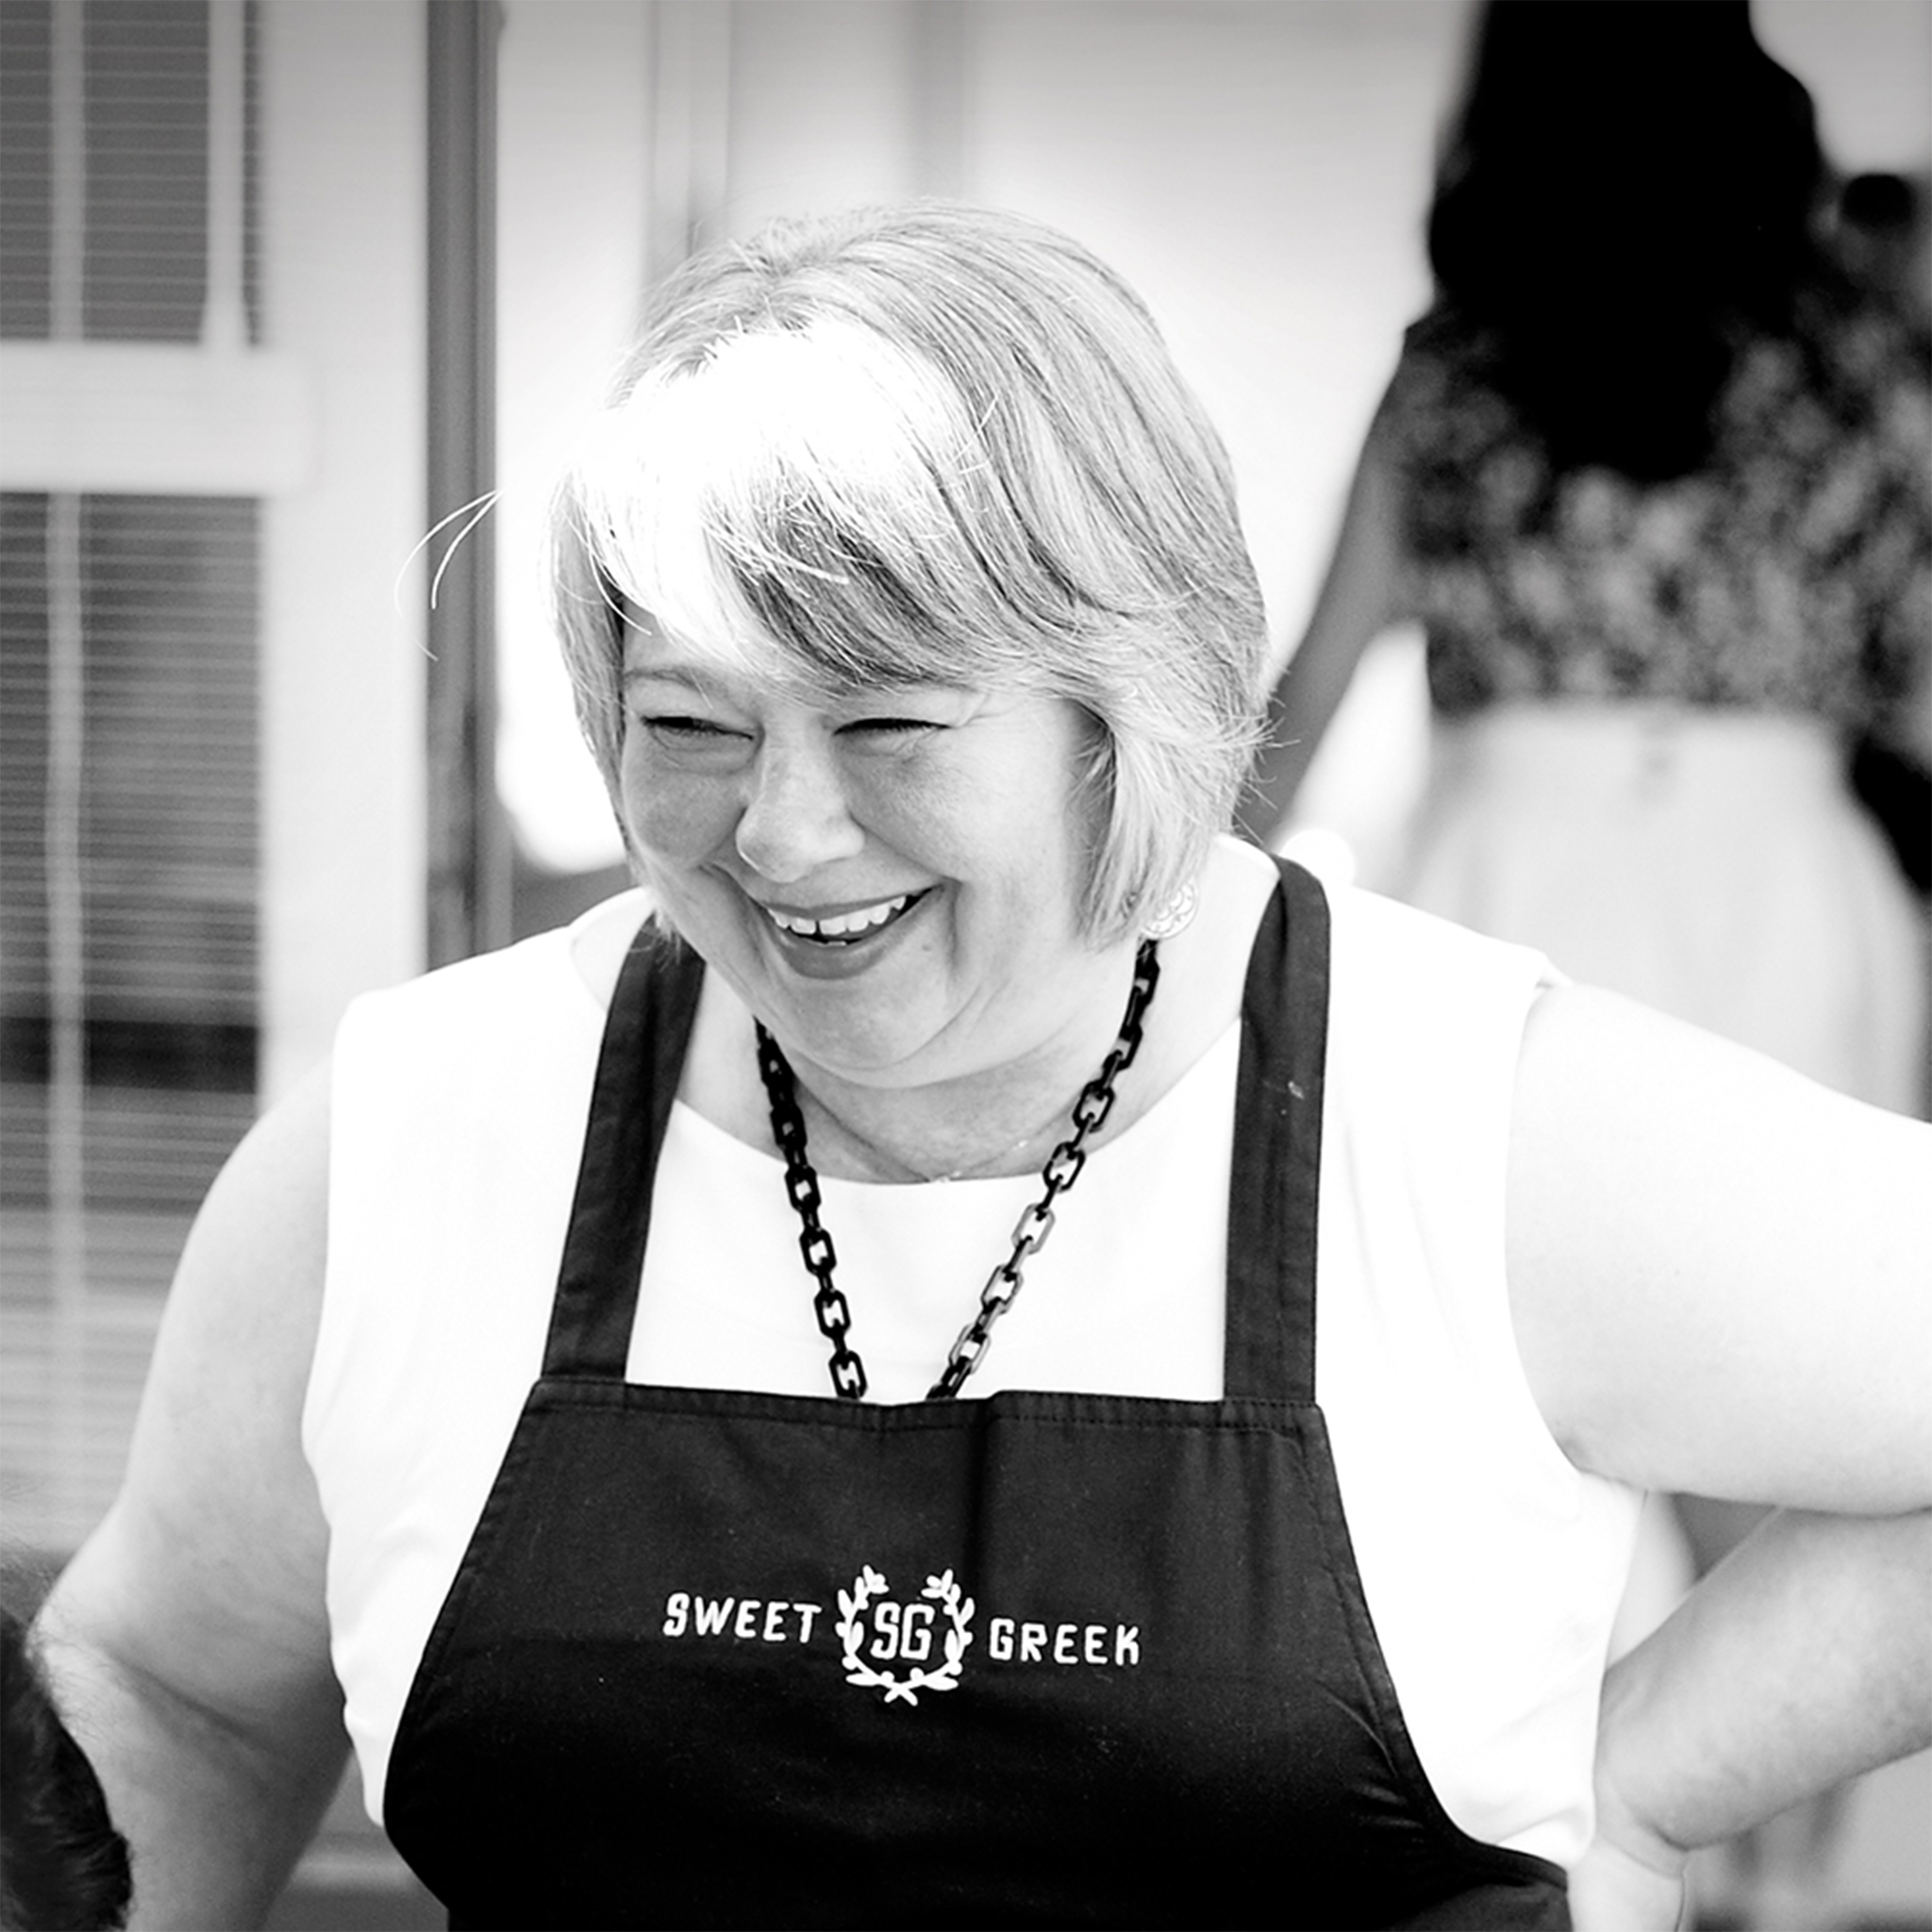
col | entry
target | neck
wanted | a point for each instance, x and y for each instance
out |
(841, 1149)
(997, 1122)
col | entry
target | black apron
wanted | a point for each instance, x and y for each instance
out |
(1037, 1659)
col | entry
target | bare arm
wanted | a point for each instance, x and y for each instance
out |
(188, 1640)
(1355, 603)
(1722, 1279)
(1802, 1659)
(1721, 1273)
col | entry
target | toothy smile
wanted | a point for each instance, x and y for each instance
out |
(842, 928)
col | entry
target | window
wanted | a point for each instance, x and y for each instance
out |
(128, 747)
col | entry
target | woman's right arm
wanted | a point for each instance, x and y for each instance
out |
(188, 1640)
(1717, 1274)
(1357, 602)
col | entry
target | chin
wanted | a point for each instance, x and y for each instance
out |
(855, 1051)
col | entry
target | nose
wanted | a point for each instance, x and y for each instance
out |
(797, 817)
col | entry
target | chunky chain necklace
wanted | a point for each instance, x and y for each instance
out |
(1030, 1231)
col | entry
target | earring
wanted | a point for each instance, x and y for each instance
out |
(1177, 915)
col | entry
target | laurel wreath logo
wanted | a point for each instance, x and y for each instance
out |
(941, 1590)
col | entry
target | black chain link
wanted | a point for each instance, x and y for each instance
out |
(814, 1243)
(1030, 1232)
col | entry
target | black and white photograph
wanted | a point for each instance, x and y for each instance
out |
(966, 963)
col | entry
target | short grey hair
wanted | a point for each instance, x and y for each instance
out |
(933, 444)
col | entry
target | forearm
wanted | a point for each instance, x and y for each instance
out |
(214, 1820)
(189, 1641)
(1802, 1659)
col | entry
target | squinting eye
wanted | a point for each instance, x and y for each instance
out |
(686, 730)
(888, 728)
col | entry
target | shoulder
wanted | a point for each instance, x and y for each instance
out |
(430, 1075)
(1399, 973)
(575, 962)
(465, 1024)
(1417, 386)
(1442, 333)
(1425, 1025)
(1442, 352)
(1445, 417)
(1392, 965)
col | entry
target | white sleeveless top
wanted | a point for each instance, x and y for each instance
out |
(1493, 1566)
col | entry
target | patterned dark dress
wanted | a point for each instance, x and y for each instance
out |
(1641, 693)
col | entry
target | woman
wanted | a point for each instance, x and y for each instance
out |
(1650, 475)
(634, 1492)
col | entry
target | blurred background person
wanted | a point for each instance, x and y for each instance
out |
(1882, 235)
(1651, 476)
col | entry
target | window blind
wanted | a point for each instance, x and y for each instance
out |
(129, 822)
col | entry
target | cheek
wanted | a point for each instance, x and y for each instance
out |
(674, 815)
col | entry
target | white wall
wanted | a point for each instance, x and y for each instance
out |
(342, 224)
(1868, 66)
(1259, 168)
(574, 129)
(1259, 173)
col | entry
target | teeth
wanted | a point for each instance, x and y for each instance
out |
(840, 925)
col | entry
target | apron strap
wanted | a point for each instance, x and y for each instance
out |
(1274, 1189)
(645, 1037)
(1270, 1349)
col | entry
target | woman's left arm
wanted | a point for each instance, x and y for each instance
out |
(1720, 1276)
(1804, 1659)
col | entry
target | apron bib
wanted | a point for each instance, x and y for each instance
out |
(724, 1659)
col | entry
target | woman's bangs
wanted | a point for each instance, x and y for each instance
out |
(861, 594)
(786, 493)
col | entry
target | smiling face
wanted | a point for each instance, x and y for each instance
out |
(890, 881)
